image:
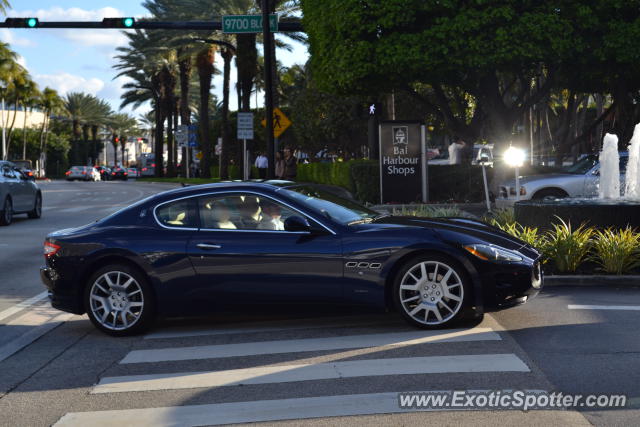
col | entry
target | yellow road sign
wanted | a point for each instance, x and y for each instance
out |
(199, 156)
(280, 122)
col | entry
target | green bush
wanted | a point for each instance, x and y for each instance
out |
(616, 251)
(500, 218)
(567, 248)
(526, 234)
(365, 178)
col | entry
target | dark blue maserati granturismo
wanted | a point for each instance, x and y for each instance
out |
(240, 243)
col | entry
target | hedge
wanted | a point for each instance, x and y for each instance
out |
(362, 179)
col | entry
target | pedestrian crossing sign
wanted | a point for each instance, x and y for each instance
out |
(280, 122)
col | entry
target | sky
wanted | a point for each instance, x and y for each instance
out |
(71, 60)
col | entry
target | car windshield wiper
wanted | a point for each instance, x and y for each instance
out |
(377, 217)
(360, 221)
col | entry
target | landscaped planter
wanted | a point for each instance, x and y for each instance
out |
(594, 213)
(593, 280)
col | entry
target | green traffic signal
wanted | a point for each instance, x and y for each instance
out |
(127, 22)
(22, 22)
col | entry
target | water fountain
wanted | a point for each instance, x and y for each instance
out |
(609, 209)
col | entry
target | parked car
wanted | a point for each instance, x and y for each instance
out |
(83, 173)
(26, 168)
(204, 247)
(578, 180)
(134, 173)
(18, 194)
(105, 173)
(119, 173)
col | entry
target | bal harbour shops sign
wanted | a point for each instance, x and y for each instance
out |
(403, 168)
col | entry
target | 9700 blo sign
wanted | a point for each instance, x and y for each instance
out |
(247, 23)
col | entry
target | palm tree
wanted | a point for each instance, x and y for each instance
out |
(78, 107)
(4, 6)
(51, 103)
(152, 69)
(122, 126)
(9, 69)
(30, 98)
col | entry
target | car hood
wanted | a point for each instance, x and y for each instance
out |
(469, 227)
(546, 177)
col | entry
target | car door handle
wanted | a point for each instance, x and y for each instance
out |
(208, 246)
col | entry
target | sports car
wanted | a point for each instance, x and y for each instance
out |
(203, 248)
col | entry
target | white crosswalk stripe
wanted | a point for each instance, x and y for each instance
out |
(311, 344)
(303, 361)
(321, 371)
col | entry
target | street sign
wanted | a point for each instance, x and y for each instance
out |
(280, 122)
(193, 136)
(235, 24)
(402, 168)
(245, 125)
(182, 135)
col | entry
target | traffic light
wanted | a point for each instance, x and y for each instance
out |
(22, 22)
(127, 22)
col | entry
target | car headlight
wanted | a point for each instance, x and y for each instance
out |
(492, 253)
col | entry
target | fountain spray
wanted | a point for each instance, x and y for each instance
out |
(609, 168)
(632, 177)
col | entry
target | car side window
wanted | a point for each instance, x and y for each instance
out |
(7, 172)
(242, 212)
(178, 214)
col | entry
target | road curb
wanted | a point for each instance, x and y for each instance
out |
(629, 281)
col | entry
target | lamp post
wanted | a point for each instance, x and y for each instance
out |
(515, 157)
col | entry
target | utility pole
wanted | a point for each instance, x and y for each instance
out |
(268, 83)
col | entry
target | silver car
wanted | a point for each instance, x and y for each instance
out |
(578, 180)
(83, 173)
(18, 194)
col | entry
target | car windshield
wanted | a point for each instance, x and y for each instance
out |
(583, 165)
(330, 205)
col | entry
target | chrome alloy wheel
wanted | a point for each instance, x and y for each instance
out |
(116, 300)
(431, 292)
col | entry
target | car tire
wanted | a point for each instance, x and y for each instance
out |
(433, 304)
(6, 214)
(550, 193)
(37, 208)
(116, 309)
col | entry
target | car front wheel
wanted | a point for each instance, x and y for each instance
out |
(37, 208)
(119, 301)
(6, 214)
(432, 292)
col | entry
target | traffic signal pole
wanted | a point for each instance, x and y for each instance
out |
(129, 23)
(268, 89)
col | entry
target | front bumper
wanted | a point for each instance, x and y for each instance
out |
(62, 296)
(512, 286)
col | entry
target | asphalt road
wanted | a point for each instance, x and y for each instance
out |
(290, 368)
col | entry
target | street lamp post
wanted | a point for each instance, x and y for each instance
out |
(515, 157)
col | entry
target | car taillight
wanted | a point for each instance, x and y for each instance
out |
(50, 249)
(84, 172)
(125, 173)
(153, 165)
(113, 173)
(144, 169)
(67, 173)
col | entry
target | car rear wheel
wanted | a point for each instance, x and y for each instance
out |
(6, 214)
(432, 292)
(37, 208)
(550, 194)
(119, 300)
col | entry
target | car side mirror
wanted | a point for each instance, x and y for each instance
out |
(296, 223)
